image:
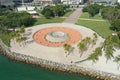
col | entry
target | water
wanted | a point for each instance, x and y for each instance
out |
(12, 70)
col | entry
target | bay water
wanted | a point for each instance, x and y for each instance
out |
(12, 70)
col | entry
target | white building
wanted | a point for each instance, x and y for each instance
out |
(73, 1)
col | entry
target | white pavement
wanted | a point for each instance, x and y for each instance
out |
(57, 54)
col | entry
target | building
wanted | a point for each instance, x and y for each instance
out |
(47, 1)
(12, 2)
(17, 2)
(74, 1)
(20, 1)
(105, 1)
(6, 2)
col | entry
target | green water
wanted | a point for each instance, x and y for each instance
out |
(11, 70)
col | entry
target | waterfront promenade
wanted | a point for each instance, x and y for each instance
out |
(56, 54)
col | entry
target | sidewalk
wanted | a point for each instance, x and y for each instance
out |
(91, 19)
(74, 16)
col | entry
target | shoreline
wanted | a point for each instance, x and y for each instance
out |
(55, 65)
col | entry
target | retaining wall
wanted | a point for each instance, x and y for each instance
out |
(56, 66)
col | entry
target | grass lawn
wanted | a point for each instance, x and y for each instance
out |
(86, 15)
(44, 20)
(102, 28)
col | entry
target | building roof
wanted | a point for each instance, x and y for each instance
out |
(32, 12)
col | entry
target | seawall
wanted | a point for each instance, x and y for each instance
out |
(56, 66)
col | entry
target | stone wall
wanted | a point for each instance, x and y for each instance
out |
(56, 66)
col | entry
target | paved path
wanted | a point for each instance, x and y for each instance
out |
(91, 19)
(74, 16)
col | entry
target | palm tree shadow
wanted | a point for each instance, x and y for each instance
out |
(71, 50)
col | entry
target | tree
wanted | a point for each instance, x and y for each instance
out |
(88, 41)
(93, 41)
(95, 36)
(17, 19)
(116, 41)
(93, 9)
(82, 47)
(22, 29)
(67, 48)
(12, 36)
(105, 11)
(111, 14)
(115, 25)
(18, 35)
(108, 48)
(3, 23)
(52, 11)
(95, 55)
(23, 39)
(59, 10)
(19, 40)
(118, 33)
(5, 10)
(48, 12)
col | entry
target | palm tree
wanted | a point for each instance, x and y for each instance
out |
(24, 39)
(98, 51)
(93, 42)
(95, 36)
(22, 29)
(108, 48)
(95, 55)
(12, 35)
(17, 35)
(88, 40)
(19, 40)
(67, 48)
(82, 47)
(109, 51)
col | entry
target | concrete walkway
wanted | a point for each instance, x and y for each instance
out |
(74, 16)
(91, 19)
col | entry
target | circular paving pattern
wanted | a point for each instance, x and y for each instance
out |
(57, 36)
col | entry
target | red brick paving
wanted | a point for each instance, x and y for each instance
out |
(40, 36)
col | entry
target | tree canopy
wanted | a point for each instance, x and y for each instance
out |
(16, 19)
(52, 11)
(92, 9)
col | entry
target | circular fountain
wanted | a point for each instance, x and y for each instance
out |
(57, 36)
